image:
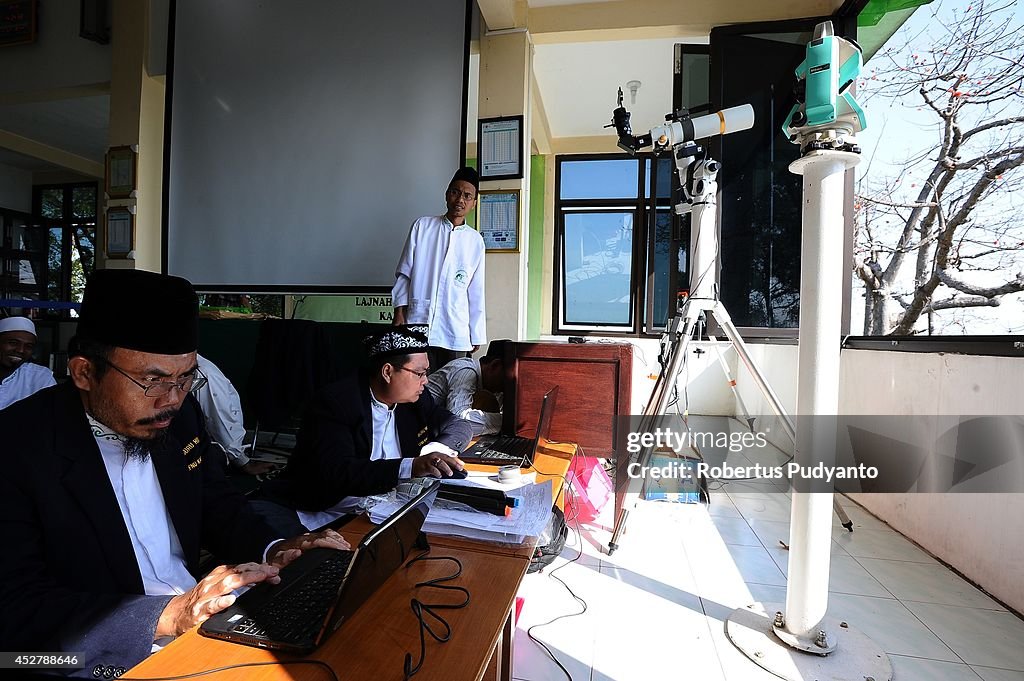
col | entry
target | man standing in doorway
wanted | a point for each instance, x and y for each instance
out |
(440, 276)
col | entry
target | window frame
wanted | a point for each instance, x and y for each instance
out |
(68, 223)
(644, 208)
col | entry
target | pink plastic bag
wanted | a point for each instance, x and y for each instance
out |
(590, 487)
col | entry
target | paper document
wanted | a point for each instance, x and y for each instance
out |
(449, 518)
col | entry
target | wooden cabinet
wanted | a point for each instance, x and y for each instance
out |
(594, 387)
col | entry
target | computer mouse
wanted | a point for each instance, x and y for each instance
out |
(456, 475)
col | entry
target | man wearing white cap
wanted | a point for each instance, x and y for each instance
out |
(19, 377)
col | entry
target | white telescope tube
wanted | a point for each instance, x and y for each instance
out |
(723, 122)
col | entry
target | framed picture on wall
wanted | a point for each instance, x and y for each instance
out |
(121, 169)
(120, 233)
(500, 148)
(498, 219)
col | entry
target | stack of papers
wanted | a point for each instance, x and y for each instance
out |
(448, 518)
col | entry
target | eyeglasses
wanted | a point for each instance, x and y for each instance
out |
(455, 193)
(418, 374)
(187, 384)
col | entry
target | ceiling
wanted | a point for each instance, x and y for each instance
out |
(577, 73)
(578, 83)
(77, 125)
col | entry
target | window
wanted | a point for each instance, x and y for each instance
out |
(67, 215)
(615, 243)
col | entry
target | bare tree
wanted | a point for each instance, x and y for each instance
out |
(941, 232)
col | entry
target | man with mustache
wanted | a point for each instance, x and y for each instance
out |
(19, 377)
(111, 487)
(439, 280)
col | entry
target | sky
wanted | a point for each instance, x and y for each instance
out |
(898, 130)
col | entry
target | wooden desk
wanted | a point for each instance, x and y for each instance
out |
(373, 642)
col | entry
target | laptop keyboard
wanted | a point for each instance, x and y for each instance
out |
(297, 614)
(508, 448)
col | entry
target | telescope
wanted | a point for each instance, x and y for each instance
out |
(680, 127)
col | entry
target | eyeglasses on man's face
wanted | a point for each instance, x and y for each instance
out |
(422, 375)
(455, 193)
(185, 384)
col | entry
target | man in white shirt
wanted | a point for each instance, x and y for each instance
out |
(222, 408)
(439, 280)
(471, 389)
(19, 377)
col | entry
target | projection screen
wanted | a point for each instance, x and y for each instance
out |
(303, 138)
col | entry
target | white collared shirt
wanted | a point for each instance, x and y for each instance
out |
(155, 542)
(454, 385)
(222, 408)
(385, 446)
(24, 381)
(440, 278)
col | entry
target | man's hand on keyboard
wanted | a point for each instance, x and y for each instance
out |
(211, 595)
(287, 550)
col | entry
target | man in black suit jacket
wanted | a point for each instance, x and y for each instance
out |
(362, 434)
(111, 487)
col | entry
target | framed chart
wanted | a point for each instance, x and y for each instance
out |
(498, 219)
(500, 147)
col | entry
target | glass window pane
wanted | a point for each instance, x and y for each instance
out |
(597, 267)
(664, 178)
(52, 204)
(83, 258)
(602, 179)
(54, 262)
(662, 262)
(83, 200)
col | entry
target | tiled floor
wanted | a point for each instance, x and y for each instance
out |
(656, 609)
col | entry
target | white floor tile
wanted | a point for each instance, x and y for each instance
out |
(762, 506)
(658, 606)
(546, 599)
(982, 637)
(735, 531)
(885, 544)
(927, 584)
(646, 624)
(916, 669)
(721, 505)
(990, 674)
(891, 625)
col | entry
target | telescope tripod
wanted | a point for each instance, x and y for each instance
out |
(700, 187)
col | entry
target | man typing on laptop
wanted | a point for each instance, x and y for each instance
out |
(111, 487)
(364, 433)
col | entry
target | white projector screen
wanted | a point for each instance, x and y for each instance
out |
(303, 138)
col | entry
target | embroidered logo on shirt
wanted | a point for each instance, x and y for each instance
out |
(193, 464)
(462, 278)
(190, 446)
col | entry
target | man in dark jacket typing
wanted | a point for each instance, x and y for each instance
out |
(364, 433)
(110, 488)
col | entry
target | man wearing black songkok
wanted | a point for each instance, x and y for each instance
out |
(110, 488)
(364, 433)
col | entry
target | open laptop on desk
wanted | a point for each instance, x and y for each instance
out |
(322, 588)
(503, 450)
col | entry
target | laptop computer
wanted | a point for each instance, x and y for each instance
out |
(322, 588)
(502, 450)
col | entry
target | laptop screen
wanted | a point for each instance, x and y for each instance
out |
(547, 410)
(382, 551)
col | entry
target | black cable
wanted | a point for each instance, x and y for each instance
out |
(419, 609)
(571, 496)
(318, 663)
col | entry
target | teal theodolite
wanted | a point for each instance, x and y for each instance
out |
(826, 116)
